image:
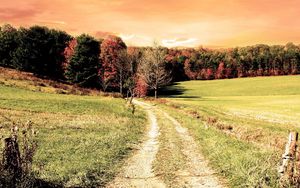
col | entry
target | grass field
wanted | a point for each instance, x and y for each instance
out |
(82, 140)
(241, 127)
(241, 124)
(269, 98)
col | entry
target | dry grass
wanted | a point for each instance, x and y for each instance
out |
(25, 80)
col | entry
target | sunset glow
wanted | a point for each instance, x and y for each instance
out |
(190, 23)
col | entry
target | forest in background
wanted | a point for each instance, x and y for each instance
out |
(108, 64)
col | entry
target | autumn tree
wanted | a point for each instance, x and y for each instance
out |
(113, 64)
(141, 88)
(84, 65)
(221, 71)
(131, 56)
(152, 68)
(69, 52)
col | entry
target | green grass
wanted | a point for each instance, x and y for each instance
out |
(170, 158)
(82, 140)
(260, 110)
(256, 86)
(273, 100)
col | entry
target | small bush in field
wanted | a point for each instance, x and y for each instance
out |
(17, 156)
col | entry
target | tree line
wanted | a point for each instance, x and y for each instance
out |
(106, 64)
(250, 61)
(110, 65)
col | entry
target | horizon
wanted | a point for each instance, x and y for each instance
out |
(212, 24)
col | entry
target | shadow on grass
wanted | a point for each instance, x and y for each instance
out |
(174, 91)
(45, 184)
(94, 178)
(6, 182)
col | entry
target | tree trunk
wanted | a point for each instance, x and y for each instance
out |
(121, 88)
(131, 96)
(127, 95)
(121, 82)
(155, 93)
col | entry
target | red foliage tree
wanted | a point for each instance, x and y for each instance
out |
(202, 74)
(188, 69)
(221, 71)
(141, 88)
(111, 49)
(69, 52)
(209, 74)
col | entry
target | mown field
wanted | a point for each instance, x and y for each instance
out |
(82, 140)
(241, 124)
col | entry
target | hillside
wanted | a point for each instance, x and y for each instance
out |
(82, 140)
(28, 81)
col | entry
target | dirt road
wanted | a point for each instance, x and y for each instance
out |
(138, 171)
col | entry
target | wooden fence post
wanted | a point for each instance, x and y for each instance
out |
(293, 148)
(289, 165)
(297, 167)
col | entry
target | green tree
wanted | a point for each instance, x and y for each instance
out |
(8, 45)
(40, 50)
(84, 65)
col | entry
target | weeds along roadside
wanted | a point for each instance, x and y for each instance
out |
(259, 132)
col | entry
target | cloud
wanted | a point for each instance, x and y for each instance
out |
(126, 37)
(103, 34)
(52, 22)
(179, 42)
(136, 40)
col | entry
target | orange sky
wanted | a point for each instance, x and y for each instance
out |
(211, 23)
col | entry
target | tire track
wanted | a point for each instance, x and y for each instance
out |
(197, 173)
(138, 171)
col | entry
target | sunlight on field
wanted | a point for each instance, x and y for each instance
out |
(275, 99)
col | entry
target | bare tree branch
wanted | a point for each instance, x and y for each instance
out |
(152, 68)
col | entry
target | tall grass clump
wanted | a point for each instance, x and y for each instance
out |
(17, 153)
